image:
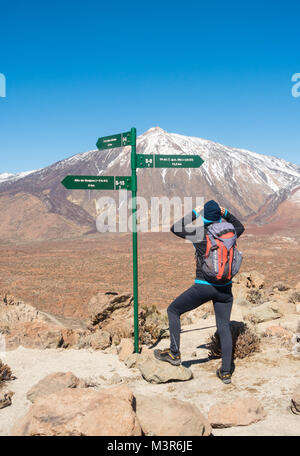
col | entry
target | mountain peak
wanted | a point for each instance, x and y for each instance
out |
(154, 130)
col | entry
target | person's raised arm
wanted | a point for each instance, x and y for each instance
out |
(179, 227)
(239, 227)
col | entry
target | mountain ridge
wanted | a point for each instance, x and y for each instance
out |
(241, 180)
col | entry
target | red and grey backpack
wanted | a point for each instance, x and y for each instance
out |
(222, 259)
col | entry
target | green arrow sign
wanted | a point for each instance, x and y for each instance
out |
(110, 142)
(97, 182)
(169, 161)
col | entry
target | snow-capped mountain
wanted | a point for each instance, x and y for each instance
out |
(250, 184)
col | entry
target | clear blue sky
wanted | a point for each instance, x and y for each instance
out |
(77, 70)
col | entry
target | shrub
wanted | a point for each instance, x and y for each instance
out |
(244, 341)
(5, 373)
(254, 296)
(295, 297)
(280, 286)
(153, 324)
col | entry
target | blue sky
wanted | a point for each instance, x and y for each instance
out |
(77, 70)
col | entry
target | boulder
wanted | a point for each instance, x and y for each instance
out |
(104, 306)
(98, 340)
(239, 412)
(115, 379)
(155, 371)
(264, 312)
(5, 398)
(36, 334)
(295, 401)
(251, 279)
(53, 383)
(126, 349)
(278, 331)
(14, 311)
(162, 416)
(81, 412)
(71, 337)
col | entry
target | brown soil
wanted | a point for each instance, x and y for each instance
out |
(61, 276)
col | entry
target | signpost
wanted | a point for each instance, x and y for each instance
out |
(130, 183)
(168, 161)
(97, 182)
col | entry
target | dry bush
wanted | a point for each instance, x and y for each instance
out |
(295, 297)
(153, 324)
(280, 286)
(255, 296)
(244, 341)
(5, 373)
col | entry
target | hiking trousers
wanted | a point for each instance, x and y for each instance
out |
(194, 297)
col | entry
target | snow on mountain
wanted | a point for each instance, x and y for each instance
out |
(4, 177)
(250, 184)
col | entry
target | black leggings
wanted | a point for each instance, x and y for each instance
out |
(195, 296)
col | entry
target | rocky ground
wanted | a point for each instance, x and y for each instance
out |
(64, 367)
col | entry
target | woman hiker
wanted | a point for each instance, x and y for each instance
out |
(203, 290)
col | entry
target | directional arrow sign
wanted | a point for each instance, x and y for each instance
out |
(110, 142)
(89, 182)
(97, 182)
(169, 161)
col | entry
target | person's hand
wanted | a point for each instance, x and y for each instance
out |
(223, 210)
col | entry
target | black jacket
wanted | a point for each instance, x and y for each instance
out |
(179, 228)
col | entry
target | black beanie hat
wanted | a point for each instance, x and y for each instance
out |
(212, 212)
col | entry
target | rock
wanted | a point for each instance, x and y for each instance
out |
(98, 340)
(36, 334)
(288, 322)
(71, 337)
(251, 279)
(278, 331)
(286, 308)
(5, 398)
(105, 306)
(162, 416)
(298, 308)
(126, 349)
(82, 412)
(132, 360)
(112, 312)
(155, 371)
(239, 412)
(53, 383)
(14, 311)
(264, 312)
(295, 401)
(115, 379)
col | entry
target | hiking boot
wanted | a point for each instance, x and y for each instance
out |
(224, 376)
(167, 355)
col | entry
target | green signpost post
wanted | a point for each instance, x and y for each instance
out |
(130, 183)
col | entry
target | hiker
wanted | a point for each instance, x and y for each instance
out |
(213, 279)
